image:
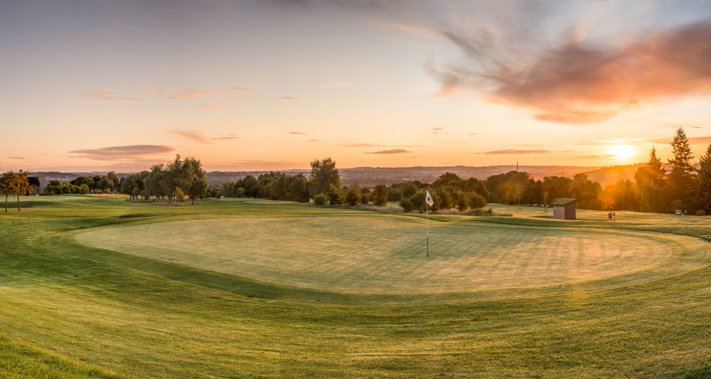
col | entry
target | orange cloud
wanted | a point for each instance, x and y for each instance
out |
(194, 135)
(391, 151)
(224, 138)
(583, 83)
(112, 153)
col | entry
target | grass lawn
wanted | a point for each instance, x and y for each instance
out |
(101, 287)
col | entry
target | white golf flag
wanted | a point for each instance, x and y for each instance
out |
(428, 199)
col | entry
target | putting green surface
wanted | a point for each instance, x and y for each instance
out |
(383, 254)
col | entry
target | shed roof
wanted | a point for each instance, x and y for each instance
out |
(564, 201)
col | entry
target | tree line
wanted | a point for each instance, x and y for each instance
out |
(171, 182)
(324, 186)
(98, 184)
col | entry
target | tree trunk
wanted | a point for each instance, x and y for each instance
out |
(5, 203)
(18, 202)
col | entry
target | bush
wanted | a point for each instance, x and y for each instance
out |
(335, 195)
(476, 201)
(701, 212)
(353, 196)
(406, 205)
(321, 199)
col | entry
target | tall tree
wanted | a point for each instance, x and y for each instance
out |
(324, 174)
(154, 182)
(532, 192)
(555, 187)
(681, 176)
(650, 181)
(194, 178)
(14, 183)
(586, 192)
(5, 181)
(111, 175)
(703, 186)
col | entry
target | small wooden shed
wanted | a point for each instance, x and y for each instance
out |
(564, 208)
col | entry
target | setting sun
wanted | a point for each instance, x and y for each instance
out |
(622, 153)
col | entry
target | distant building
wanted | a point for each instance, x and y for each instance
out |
(564, 208)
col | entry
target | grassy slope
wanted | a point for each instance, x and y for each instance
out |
(76, 311)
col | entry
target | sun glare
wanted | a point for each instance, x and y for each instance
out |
(622, 153)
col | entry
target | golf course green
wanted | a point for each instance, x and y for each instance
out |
(378, 253)
(101, 287)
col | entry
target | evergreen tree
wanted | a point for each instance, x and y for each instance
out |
(703, 186)
(650, 181)
(681, 177)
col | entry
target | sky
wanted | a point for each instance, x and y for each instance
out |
(274, 84)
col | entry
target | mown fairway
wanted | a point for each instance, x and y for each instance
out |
(259, 288)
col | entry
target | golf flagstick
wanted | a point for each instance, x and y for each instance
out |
(428, 204)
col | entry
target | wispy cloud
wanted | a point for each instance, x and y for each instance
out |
(194, 135)
(437, 130)
(240, 89)
(17, 158)
(109, 95)
(515, 152)
(113, 153)
(409, 28)
(390, 151)
(296, 133)
(580, 82)
(224, 138)
(289, 98)
(335, 84)
(190, 94)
